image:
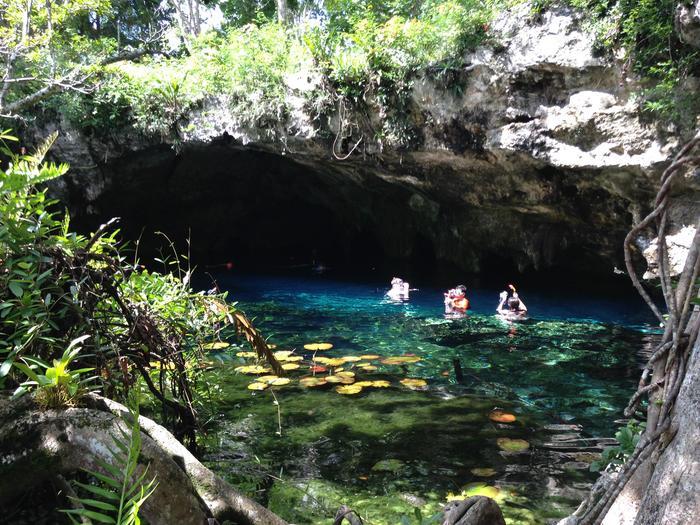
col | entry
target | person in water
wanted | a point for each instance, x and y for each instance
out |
(399, 289)
(511, 305)
(456, 300)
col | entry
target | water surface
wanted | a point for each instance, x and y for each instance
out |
(566, 374)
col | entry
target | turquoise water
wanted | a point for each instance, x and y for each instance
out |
(566, 373)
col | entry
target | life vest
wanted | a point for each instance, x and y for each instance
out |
(461, 304)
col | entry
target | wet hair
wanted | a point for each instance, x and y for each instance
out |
(513, 303)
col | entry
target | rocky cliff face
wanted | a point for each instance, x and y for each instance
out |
(533, 154)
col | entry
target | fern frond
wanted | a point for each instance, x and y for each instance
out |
(120, 498)
(38, 156)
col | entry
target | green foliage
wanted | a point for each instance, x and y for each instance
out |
(57, 386)
(70, 304)
(120, 491)
(627, 438)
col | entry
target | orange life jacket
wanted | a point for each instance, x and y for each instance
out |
(461, 304)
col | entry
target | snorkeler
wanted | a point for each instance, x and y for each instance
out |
(511, 307)
(456, 300)
(399, 289)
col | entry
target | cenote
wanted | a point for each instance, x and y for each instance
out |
(394, 452)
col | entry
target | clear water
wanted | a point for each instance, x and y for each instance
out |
(566, 374)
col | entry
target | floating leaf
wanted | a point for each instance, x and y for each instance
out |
(279, 381)
(414, 384)
(318, 369)
(370, 357)
(257, 386)
(512, 445)
(343, 373)
(351, 358)
(364, 384)
(334, 379)
(348, 389)
(290, 366)
(318, 346)
(216, 345)
(281, 355)
(499, 416)
(334, 362)
(484, 472)
(252, 369)
(246, 354)
(294, 358)
(267, 379)
(400, 360)
(381, 384)
(310, 382)
(369, 368)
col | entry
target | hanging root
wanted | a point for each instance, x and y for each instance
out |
(665, 370)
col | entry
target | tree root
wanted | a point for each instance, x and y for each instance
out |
(37, 446)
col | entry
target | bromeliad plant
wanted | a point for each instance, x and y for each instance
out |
(57, 385)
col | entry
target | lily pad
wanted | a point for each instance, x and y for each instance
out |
(318, 369)
(512, 445)
(351, 358)
(344, 373)
(414, 384)
(369, 368)
(279, 381)
(348, 389)
(311, 382)
(290, 366)
(314, 347)
(381, 384)
(294, 358)
(252, 369)
(370, 357)
(499, 416)
(257, 386)
(246, 354)
(216, 345)
(400, 360)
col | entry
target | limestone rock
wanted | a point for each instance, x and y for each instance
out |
(477, 510)
(687, 22)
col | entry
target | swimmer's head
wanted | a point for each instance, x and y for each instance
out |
(461, 290)
(513, 303)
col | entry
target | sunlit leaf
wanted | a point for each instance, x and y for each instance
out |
(314, 347)
(499, 416)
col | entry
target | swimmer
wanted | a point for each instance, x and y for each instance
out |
(456, 300)
(399, 289)
(511, 307)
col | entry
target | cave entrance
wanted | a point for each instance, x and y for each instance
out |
(259, 210)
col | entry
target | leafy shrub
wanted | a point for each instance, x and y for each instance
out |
(627, 438)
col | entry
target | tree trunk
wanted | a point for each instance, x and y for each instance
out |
(673, 495)
(38, 445)
(282, 12)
